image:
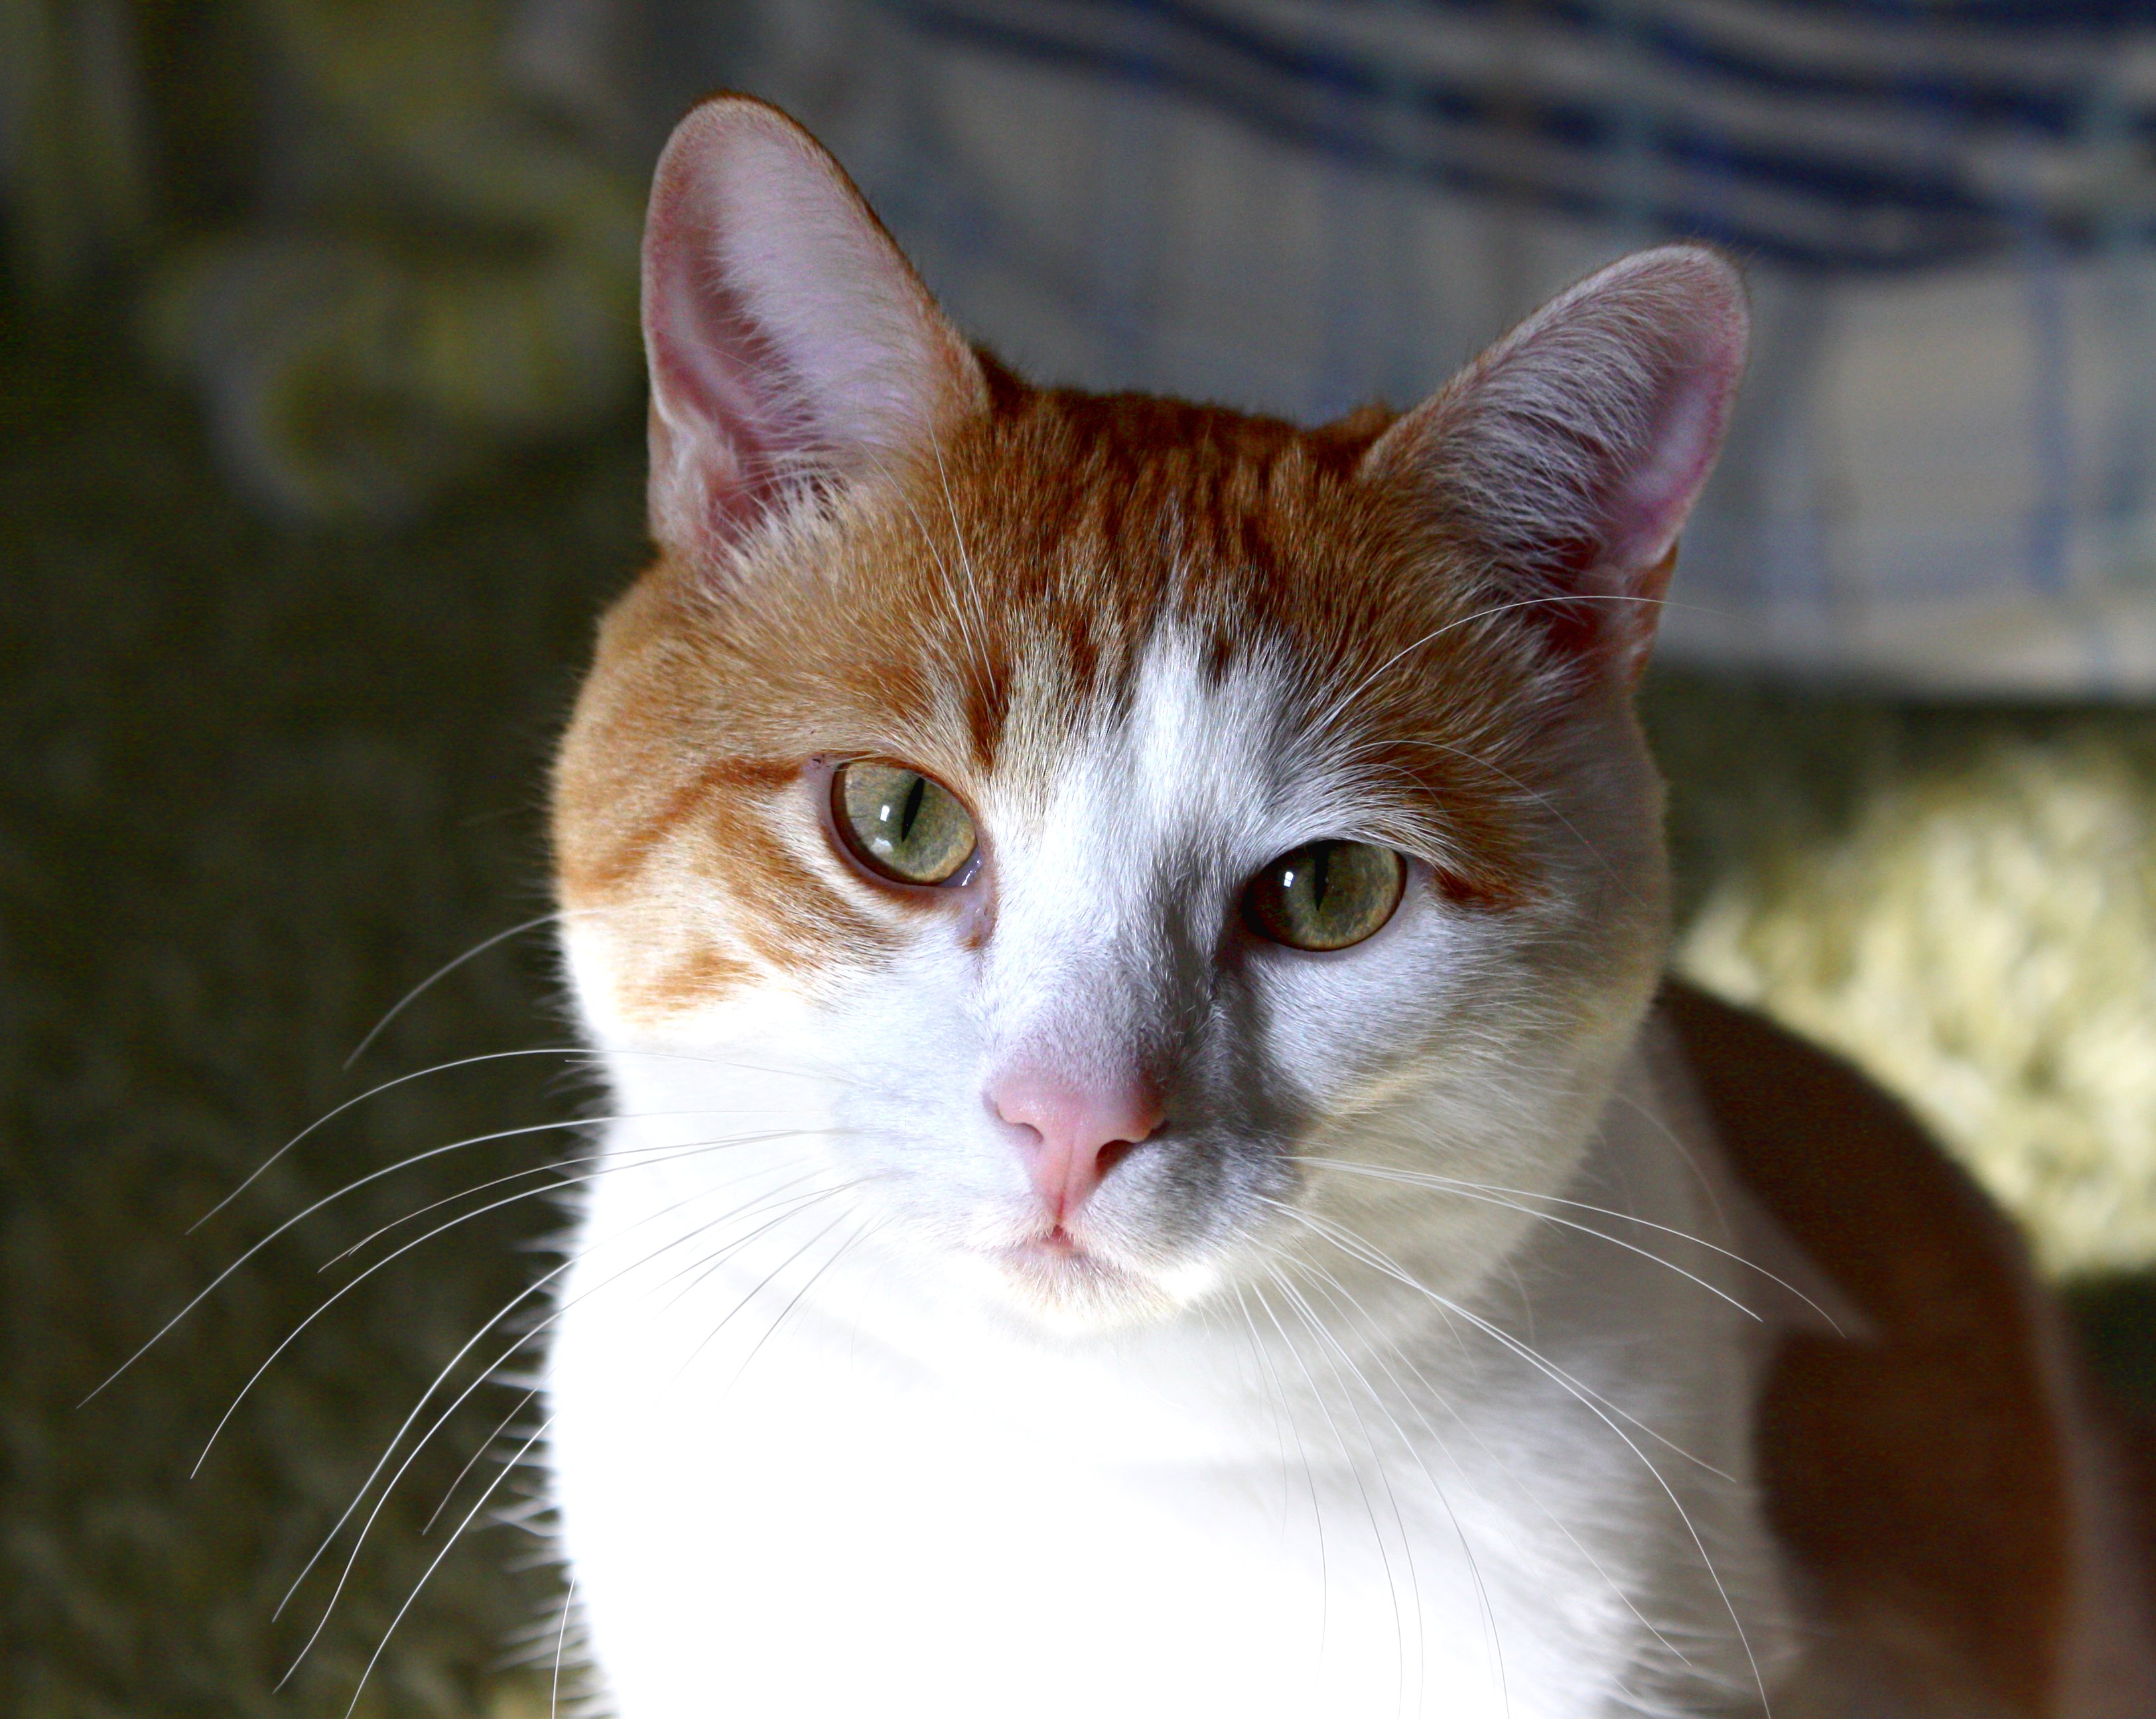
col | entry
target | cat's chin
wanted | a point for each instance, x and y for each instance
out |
(1073, 1290)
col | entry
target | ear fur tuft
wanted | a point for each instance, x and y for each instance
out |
(1573, 450)
(788, 340)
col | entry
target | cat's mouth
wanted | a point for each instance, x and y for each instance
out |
(1069, 1280)
(1056, 1250)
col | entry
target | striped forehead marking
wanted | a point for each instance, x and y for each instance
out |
(1176, 750)
(1126, 614)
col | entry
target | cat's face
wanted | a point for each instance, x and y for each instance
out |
(1120, 812)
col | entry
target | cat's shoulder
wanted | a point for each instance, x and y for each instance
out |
(1972, 1522)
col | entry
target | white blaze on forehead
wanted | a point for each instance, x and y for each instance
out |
(1170, 796)
(1198, 746)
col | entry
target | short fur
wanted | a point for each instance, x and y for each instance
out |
(1416, 1362)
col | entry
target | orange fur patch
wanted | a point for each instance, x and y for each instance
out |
(1934, 1478)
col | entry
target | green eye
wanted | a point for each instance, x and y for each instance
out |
(900, 823)
(1325, 895)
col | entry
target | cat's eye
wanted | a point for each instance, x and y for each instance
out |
(900, 823)
(1326, 895)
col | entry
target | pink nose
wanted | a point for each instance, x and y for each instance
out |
(1074, 1134)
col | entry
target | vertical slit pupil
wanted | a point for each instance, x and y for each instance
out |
(1320, 868)
(912, 810)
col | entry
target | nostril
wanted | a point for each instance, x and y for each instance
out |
(1111, 1153)
(1015, 1116)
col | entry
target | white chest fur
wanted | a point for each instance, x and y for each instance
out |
(796, 1478)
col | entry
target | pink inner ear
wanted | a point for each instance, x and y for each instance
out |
(730, 406)
(789, 341)
(1576, 447)
(1650, 501)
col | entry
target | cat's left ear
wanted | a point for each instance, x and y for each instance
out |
(1571, 452)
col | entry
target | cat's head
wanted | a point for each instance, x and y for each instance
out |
(1125, 811)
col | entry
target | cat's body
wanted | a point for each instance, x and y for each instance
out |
(1052, 1263)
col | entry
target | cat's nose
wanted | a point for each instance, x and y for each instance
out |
(1072, 1133)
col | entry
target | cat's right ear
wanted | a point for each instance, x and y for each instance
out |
(789, 341)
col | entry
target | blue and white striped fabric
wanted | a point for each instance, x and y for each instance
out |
(1943, 476)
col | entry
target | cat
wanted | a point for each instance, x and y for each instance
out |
(1154, 1167)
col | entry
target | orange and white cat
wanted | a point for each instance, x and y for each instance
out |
(1151, 1176)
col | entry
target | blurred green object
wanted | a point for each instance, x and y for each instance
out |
(383, 257)
(255, 782)
(74, 161)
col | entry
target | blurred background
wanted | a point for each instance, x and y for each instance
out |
(321, 432)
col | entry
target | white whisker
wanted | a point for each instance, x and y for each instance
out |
(381, 1646)
(1317, 1510)
(799, 1294)
(1468, 1190)
(353, 1283)
(1532, 1496)
(441, 972)
(1335, 1291)
(561, 1641)
(706, 1342)
(617, 1157)
(1422, 1178)
(489, 1372)
(1588, 1399)
(471, 1462)
(1336, 1357)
